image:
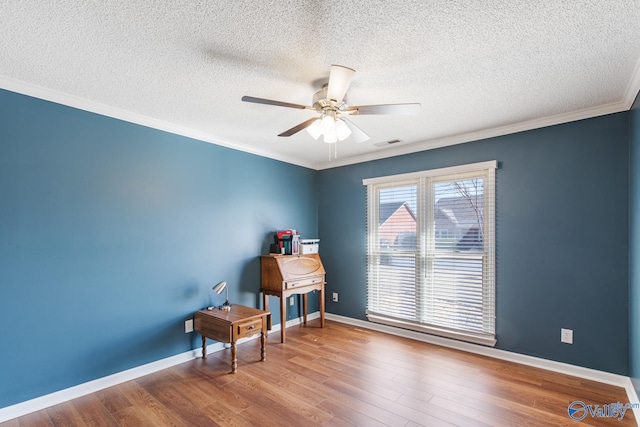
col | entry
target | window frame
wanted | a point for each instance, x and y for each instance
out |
(425, 182)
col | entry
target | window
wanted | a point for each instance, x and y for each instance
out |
(431, 251)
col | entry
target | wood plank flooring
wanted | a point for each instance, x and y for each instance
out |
(339, 376)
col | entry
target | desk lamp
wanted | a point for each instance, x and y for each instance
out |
(218, 290)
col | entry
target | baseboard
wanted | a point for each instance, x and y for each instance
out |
(550, 365)
(33, 405)
(55, 398)
(23, 408)
(633, 398)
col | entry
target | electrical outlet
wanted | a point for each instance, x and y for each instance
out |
(335, 297)
(188, 326)
(291, 300)
(566, 336)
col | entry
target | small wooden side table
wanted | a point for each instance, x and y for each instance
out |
(230, 326)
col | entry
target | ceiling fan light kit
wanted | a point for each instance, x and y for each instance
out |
(331, 103)
(332, 128)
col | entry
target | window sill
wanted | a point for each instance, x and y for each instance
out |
(486, 340)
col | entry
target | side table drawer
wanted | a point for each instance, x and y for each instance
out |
(246, 329)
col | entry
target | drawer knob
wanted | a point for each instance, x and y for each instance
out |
(251, 327)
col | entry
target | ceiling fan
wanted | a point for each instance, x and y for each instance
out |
(330, 102)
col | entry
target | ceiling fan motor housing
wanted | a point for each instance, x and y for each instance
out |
(322, 104)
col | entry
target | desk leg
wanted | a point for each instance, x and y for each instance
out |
(263, 345)
(304, 308)
(265, 307)
(234, 358)
(283, 317)
(321, 304)
(204, 347)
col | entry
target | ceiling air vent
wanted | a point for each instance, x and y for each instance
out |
(384, 144)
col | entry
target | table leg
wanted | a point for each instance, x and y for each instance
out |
(263, 345)
(283, 317)
(321, 304)
(304, 309)
(204, 347)
(234, 358)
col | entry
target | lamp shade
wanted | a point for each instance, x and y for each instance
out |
(330, 137)
(342, 130)
(315, 130)
(328, 123)
(220, 287)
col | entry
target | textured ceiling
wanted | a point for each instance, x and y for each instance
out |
(479, 68)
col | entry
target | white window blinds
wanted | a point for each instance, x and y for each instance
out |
(431, 250)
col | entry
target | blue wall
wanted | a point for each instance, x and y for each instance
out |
(112, 235)
(561, 233)
(634, 249)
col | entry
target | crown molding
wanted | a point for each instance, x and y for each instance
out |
(483, 134)
(73, 101)
(633, 90)
(634, 87)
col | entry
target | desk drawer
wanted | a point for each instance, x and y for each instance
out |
(303, 282)
(246, 329)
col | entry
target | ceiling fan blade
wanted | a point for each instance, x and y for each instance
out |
(404, 109)
(272, 102)
(299, 127)
(339, 80)
(357, 134)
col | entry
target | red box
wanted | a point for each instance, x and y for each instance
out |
(281, 233)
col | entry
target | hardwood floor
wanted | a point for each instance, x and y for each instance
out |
(339, 376)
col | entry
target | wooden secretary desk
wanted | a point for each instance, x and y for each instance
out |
(285, 275)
